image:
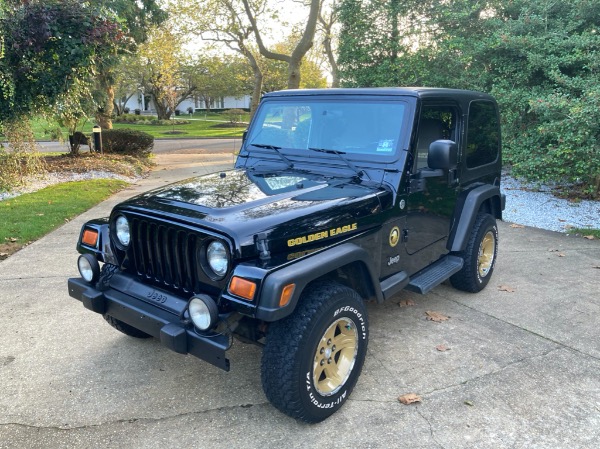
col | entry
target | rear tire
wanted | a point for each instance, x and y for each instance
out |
(313, 358)
(479, 256)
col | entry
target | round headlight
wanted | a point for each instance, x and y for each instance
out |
(89, 268)
(216, 255)
(203, 312)
(122, 230)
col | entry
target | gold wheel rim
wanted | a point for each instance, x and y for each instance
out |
(335, 356)
(487, 249)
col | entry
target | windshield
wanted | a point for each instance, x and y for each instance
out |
(361, 127)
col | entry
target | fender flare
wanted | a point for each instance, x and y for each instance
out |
(305, 271)
(467, 210)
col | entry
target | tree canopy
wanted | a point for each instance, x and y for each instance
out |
(538, 58)
(46, 48)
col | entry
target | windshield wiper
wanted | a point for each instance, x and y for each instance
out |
(289, 163)
(340, 154)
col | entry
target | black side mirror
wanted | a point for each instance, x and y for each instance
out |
(443, 154)
(244, 135)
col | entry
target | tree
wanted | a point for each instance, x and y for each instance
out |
(137, 18)
(305, 42)
(217, 77)
(275, 72)
(162, 66)
(328, 19)
(538, 58)
(225, 21)
(47, 47)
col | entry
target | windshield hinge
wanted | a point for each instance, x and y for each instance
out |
(262, 246)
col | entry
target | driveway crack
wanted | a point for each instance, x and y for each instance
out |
(67, 428)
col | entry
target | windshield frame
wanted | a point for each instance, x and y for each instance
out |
(365, 159)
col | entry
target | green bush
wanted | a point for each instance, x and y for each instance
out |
(127, 141)
(235, 115)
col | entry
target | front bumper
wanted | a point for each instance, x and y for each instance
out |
(161, 320)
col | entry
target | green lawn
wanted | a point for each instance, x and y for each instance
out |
(32, 215)
(595, 233)
(201, 125)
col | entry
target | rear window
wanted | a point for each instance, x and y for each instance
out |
(483, 134)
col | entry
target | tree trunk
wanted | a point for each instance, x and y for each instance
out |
(294, 74)
(256, 92)
(162, 110)
(103, 117)
(304, 44)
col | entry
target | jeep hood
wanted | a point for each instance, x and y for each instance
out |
(289, 208)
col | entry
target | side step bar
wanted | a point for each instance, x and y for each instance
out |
(435, 274)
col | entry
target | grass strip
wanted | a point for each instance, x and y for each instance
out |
(30, 216)
(586, 232)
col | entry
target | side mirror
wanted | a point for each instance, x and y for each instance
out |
(244, 135)
(443, 155)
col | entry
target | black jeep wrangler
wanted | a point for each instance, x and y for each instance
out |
(337, 197)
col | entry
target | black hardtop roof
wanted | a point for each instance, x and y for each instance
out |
(420, 92)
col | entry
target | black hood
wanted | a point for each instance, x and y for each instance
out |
(292, 209)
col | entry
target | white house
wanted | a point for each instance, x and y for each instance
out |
(145, 103)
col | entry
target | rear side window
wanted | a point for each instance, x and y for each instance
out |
(483, 135)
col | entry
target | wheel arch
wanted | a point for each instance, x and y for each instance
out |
(485, 198)
(347, 263)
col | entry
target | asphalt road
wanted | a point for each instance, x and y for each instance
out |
(522, 369)
(183, 146)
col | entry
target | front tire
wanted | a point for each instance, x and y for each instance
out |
(313, 358)
(479, 256)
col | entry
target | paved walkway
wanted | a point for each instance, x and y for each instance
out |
(522, 369)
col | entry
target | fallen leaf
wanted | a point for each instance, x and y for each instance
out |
(11, 239)
(469, 403)
(3, 255)
(560, 219)
(436, 316)
(66, 220)
(589, 237)
(406, 303)
(409, 398)
(568, 226)
(506, 288)
(596, 266)
(442, 348)
(40, 215)
(514, 225)
(552, 250)
(561, 254)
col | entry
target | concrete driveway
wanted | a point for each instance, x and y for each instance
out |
(522, 369)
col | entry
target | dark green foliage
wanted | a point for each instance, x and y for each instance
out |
(539, 59)
(127, 141)
(47, 47)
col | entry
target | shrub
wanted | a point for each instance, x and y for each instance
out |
(127, 141)
(235, 115)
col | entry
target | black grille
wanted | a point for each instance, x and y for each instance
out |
(166, 256)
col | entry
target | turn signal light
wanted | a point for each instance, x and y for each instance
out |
(242, 287)
(286, 294)
(90, 237)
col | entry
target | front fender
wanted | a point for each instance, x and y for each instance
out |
(103, 250)
(303, 272)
